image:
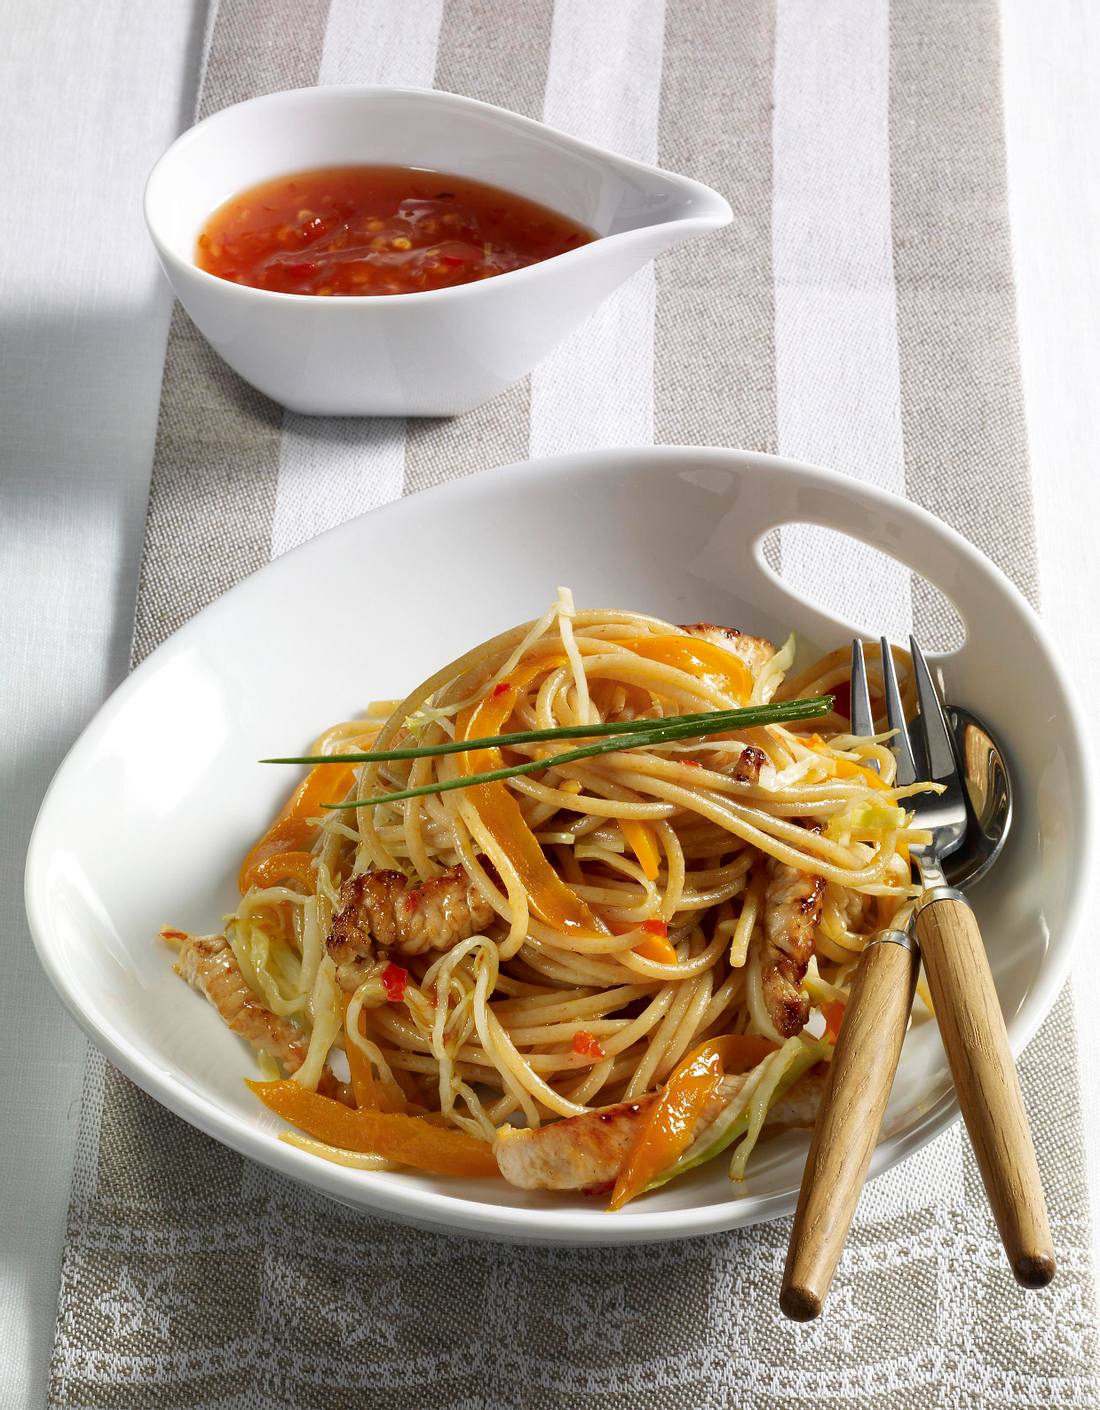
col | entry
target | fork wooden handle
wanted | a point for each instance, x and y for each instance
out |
(973, 1031)
(860, 1077)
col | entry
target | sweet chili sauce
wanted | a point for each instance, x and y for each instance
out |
(367, 230)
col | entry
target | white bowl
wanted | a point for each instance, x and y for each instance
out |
(429, 354)
(148, 817)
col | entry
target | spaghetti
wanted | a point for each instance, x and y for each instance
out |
(529, 949)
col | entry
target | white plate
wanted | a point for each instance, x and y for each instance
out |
(149, 815)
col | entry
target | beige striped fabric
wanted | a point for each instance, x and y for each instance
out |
(859, 311)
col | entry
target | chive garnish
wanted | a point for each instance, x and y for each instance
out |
(632, 734)
(706, 722)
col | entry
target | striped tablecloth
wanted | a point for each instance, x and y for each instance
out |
(858, 312)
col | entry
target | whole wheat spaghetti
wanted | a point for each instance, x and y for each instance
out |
(532, 948)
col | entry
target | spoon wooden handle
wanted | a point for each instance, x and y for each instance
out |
(988, 1089)
(860, 1077)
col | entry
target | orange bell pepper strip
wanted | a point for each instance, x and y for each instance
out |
(656, 946)
(285, 866)
(550, 898)
(406, 1140)
(669, 1127)
(833, 1013)
(370, 1095)
(657, 949)
(291, 831)
(643, 844)
(368, 1092)
(848, 768)
(844, 768)
(714, 665)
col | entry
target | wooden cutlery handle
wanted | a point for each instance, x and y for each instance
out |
(973, 1031)
(860, 1077)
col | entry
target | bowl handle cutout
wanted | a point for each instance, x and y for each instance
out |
(856, 583)
(867, 564)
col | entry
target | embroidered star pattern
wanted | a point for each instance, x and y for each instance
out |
(834, 1334)
(142, 1303)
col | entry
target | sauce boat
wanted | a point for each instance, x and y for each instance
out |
(434, 353)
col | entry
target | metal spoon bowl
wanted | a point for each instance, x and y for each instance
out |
(988, 798)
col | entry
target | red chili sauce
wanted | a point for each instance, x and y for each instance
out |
(378, 230)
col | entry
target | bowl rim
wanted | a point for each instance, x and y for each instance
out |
(567, 1225)
(720, 211)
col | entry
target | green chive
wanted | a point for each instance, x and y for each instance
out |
(708, 722)
(656, 733)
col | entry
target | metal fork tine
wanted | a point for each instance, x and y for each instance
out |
(863, 721)
(895, 715)
(937, 737)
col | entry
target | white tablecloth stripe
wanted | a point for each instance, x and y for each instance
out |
(838, 393)
(331, 469)
(89, 97)
(1052, 121)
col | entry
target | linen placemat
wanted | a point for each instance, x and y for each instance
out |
(858, 311)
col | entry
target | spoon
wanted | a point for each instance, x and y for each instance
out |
(988, 798)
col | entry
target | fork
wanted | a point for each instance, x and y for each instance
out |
(869, 1043)
(963, 995)
(861, 1074)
